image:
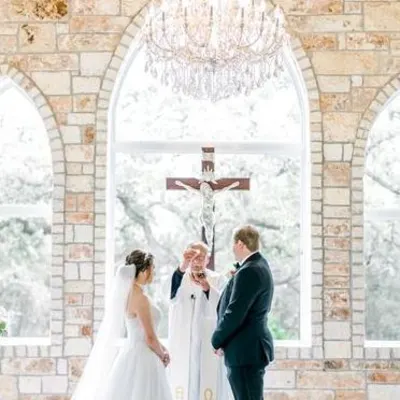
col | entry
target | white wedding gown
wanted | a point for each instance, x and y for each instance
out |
(137, 373)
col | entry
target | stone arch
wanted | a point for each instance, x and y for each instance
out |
(45, 111)
(313, 119)
(27, 85)
(357, 202)
(369, 117)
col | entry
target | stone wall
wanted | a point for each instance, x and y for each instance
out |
(67, 55)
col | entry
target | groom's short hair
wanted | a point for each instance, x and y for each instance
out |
(249, 236)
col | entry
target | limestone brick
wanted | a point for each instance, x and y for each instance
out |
(83, 233)
(84, 103)
(53, 83)
(27, 366)
(45, 62)
(323, 23)
(81, 118)
(352, 7)
(95, 7)
(79, 153)
(60, 104)
(294, 7)
(94, 64)
(362, 98)
(375, 80)
(39, 9)
(337, 303)
(89, 134)
(8, 28)
(334, 84)
(346, 62)
(99, 24)
(378, 392)
(381, 16)
(55, 384)
(395, 47)
(132, 7)
(80, 184)
(367, 41)
(88, 42)
(8, 387)
(29, 384)
(335, 102)
(80, 217)
(280, 379)
(336, 227)
(37, 38)
(332, 380)
(314, 41)
(8, 44)
(337, 174)
(85, 84)
(337, 349)
(348, 151)
(340, 127)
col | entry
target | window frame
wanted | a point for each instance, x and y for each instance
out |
(300, 149)
(379, 214)
(25, 210)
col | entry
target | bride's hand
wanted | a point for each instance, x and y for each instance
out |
(165, 359)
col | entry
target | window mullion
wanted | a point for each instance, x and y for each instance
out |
(25, 211)
(271, 148)
(383, 214)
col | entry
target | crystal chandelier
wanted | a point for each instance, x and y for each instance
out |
(214, 49)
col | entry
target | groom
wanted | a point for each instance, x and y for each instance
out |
(242, 334)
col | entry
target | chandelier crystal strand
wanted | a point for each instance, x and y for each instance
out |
(214, 49)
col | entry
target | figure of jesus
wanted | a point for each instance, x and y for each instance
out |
(207, 216)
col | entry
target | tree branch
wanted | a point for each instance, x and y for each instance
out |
(382, 183)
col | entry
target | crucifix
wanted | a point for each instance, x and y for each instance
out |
(207, 187)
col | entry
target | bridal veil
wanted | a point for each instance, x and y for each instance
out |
(112, 328)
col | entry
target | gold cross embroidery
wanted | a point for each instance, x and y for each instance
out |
(179, 393)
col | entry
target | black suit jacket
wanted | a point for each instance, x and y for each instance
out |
(242, 331)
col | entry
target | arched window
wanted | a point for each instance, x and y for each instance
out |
(25, 216)
(156, 134)
(382, 225)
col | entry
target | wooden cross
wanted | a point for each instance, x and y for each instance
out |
(193, 184)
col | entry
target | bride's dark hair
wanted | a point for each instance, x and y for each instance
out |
(141, 259)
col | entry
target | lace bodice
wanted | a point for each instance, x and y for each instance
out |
(134, 329)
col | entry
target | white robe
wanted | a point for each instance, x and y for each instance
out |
(195, 372)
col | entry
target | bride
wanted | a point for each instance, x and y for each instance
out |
(135, 371)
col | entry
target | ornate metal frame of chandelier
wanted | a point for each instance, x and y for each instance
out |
(214, 49)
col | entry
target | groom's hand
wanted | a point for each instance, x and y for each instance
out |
(219, 352)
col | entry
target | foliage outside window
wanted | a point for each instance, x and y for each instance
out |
(382, 225)
(25, 215)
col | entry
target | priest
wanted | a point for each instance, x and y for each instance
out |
(196, 373)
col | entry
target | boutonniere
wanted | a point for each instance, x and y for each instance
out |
(233, 271)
